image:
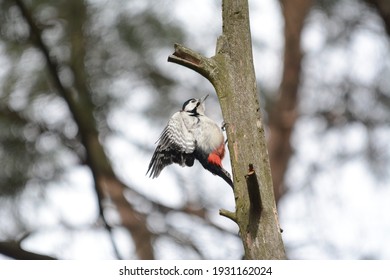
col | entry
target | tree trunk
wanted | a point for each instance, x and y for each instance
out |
(232, 74)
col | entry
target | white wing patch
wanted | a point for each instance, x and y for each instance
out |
(175, 145)
(176, 135)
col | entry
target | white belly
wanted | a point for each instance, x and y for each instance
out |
(208, 135)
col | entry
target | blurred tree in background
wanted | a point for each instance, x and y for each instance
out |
(80, 77)
(66, 62)
(330, 116)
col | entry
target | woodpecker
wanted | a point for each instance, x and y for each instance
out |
(190, 135)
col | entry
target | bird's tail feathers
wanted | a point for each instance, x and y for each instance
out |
(213, 168)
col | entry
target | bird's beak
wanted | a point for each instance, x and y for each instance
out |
(204, 98)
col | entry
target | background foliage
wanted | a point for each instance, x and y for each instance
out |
(112, 55)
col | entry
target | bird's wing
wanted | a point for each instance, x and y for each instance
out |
(175, 145)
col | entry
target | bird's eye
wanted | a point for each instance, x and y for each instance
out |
(193, 100)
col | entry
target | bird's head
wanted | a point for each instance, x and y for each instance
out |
(195, 106)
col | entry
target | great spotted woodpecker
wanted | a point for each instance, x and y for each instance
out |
(190, 135)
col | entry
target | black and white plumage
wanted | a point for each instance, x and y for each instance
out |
(190, 135)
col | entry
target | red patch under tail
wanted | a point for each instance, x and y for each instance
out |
(215, 157)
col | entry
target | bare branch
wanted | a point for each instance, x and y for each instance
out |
(13, 250)
(195, 61)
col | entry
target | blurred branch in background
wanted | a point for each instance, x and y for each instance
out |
(13, 250)
(291, 102)
(284, 112)
(78, 98)
(341, 122)
(331, 111)
(64, 120)
(383, 7)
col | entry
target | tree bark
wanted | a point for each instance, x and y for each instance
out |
(284, 112)
(232, 74)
